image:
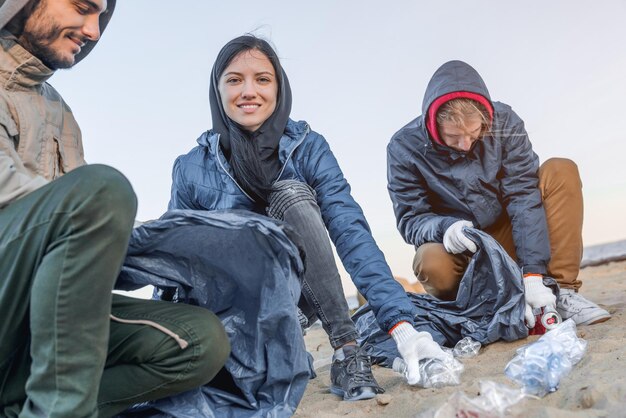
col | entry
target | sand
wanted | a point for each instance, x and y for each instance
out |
(596, 387)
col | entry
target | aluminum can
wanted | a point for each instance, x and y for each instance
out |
(545, 319)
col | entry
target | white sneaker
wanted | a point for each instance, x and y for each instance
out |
(584, 312)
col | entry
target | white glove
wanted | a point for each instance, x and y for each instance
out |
(455, 241)
(414, 346)
(537, 296)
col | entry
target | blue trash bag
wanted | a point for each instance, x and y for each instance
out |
(489, 305)
(243, 267)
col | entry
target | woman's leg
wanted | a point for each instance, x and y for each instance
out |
(294, 203)
(351, 371)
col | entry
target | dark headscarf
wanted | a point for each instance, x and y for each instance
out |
(252, 155)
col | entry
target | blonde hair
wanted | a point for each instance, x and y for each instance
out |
(459, 111)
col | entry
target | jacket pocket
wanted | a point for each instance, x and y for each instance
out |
(50, 160)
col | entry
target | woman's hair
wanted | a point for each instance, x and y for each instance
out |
(240, 148)
(459, 111)
(242, 44)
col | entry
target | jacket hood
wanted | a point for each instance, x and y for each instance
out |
(451, 77)
(9, 8)
(454, 79)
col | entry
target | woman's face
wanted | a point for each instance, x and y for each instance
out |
(461, 138)
(248, 88)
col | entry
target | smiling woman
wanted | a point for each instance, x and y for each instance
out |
(257, 159)
(249, 88)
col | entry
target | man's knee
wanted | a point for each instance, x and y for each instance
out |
(106, 192)
(426, 262)
(438, 271)
(559, 168)
(212, 345)
(115, 189)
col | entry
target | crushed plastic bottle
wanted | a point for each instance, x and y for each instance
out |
(466, 348)
(434, 373)
(540, 366)
(495, 400)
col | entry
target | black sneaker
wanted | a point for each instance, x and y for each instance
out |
(351, 376)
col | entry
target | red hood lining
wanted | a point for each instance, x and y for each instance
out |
(431, 121)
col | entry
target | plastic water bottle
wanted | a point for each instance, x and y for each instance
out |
(399, 366)
(466, 348)
(539, 366)
(433, 372)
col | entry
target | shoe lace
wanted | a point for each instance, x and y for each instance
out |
(570, 302)
(359, 366)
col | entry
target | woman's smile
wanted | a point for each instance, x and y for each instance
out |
(248, 89)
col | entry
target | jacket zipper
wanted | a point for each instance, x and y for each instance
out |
(306, 132)
(217, 154)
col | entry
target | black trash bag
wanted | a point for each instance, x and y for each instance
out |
(489, 306)
(244, 268)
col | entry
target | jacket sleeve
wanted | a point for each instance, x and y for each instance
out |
(15, 179)
(353, 240)
(416, 221)
(522, 198)
(180, 196)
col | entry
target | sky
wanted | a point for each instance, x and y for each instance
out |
(358, 71)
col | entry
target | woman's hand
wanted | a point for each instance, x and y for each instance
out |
(413, 347)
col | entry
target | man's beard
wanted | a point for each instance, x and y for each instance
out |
(39, 33)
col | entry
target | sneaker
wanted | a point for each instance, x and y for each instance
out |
(584, 312)
(351, 375)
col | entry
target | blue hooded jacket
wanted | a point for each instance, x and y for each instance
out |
(432, 186)
(203, 180)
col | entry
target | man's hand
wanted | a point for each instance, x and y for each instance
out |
(414, 346)
(537, 296)
(455, 241)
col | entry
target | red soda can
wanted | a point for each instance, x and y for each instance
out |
(550, 318)
(545, 319)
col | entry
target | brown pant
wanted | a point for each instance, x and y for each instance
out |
(561, 191)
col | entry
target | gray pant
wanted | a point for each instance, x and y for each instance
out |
(61, 249)
(294, 203)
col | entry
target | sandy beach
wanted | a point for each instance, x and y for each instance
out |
(596, 387)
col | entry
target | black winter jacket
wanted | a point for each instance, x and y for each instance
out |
(432, 186)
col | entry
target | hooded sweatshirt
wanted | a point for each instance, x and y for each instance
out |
(432, 186)
(39, 137)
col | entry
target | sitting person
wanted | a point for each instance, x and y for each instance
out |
(70, 348)
(467, 162)
(256, 158)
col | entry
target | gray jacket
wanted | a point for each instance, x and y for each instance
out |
(39, 138)
(432, 186)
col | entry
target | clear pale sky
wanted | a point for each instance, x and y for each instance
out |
(358, 70)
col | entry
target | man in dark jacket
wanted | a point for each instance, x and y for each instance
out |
(467, 162)
(69, 347)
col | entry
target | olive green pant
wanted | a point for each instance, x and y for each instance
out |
(561, 191)
(61, 249)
